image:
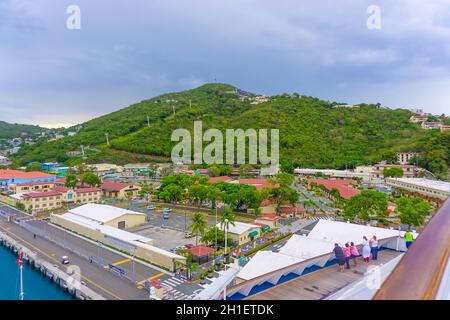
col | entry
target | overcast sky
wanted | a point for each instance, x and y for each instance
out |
(131, 50)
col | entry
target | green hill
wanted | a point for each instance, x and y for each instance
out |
(313, 132)
(13, 130)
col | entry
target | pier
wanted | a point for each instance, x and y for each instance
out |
(66, 281)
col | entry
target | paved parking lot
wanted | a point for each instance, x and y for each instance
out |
(167, 233)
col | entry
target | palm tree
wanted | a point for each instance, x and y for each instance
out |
(198, 225)
(227, 218)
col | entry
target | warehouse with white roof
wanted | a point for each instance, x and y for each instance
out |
(105, 224)
(109, 215)
(434, 189)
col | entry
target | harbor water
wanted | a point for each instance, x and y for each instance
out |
(36, 285)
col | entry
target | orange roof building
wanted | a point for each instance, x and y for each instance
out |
(9, 176)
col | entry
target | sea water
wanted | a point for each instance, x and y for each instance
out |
(36, 286)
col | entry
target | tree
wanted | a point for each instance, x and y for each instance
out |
(210, 236)
(213, 171)
(198, 225)
(393, 172)
(283, 195)
(368, 204)
(198, 193)
(90, 179)
(214, 194)
(152, 170)
(35, 166)
(227, 218)
(412, 211)
(146, 189)
(71, 180)
(172, 193)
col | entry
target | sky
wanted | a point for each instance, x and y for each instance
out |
(132, 50)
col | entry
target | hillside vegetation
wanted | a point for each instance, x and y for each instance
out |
(13, 130)
(313, 132)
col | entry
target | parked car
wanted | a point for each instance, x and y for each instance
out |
(166, 213)
(188, 235)
(151, 207)
(65, 260)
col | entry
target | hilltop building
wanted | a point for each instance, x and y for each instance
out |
(405, 157)
(409, 170)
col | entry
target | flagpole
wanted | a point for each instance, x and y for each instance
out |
(20, 263)
(22, 294)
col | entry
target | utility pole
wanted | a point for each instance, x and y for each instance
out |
(225, 252)
(107, 138)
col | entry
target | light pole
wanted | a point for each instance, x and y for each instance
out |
(225, 252)
(215, 237)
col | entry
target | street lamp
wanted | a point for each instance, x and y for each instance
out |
(225, 252)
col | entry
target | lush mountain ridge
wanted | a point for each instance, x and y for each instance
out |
(313, 132)
(13, 130)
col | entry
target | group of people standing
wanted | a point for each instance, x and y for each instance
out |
(350, 252)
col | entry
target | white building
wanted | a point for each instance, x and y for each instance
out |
(345, 174)
(405, 157)
(4, 160)
(426, 187)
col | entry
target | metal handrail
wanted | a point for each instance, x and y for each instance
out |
(256, 280)
(419, 273)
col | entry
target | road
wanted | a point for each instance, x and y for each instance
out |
(320, 202)
(53, 243)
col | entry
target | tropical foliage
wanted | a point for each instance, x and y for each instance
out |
(313, 132)
(366, 205)
(412, 211)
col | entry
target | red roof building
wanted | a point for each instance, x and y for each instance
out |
(344, 186)
(34, 195)
(201, 251)
(17, 174)
(114, 186)
(259, 184)
(219, 179)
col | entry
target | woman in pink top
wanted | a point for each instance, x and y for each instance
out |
(347, 255)
(355, 253)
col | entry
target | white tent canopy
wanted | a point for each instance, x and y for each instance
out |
(318, 244)
(264, 262)
(343, 232)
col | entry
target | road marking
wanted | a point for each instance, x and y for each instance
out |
(56, 260)
(151, 278)
(118, 263)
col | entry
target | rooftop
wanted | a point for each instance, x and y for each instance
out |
(239, 227)
(41, 194)
(201, 251)
(426, 183)
(344, 186)
(17, 174)
(114, 186)
(101, 213)
(219, 179)
(115, 233)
